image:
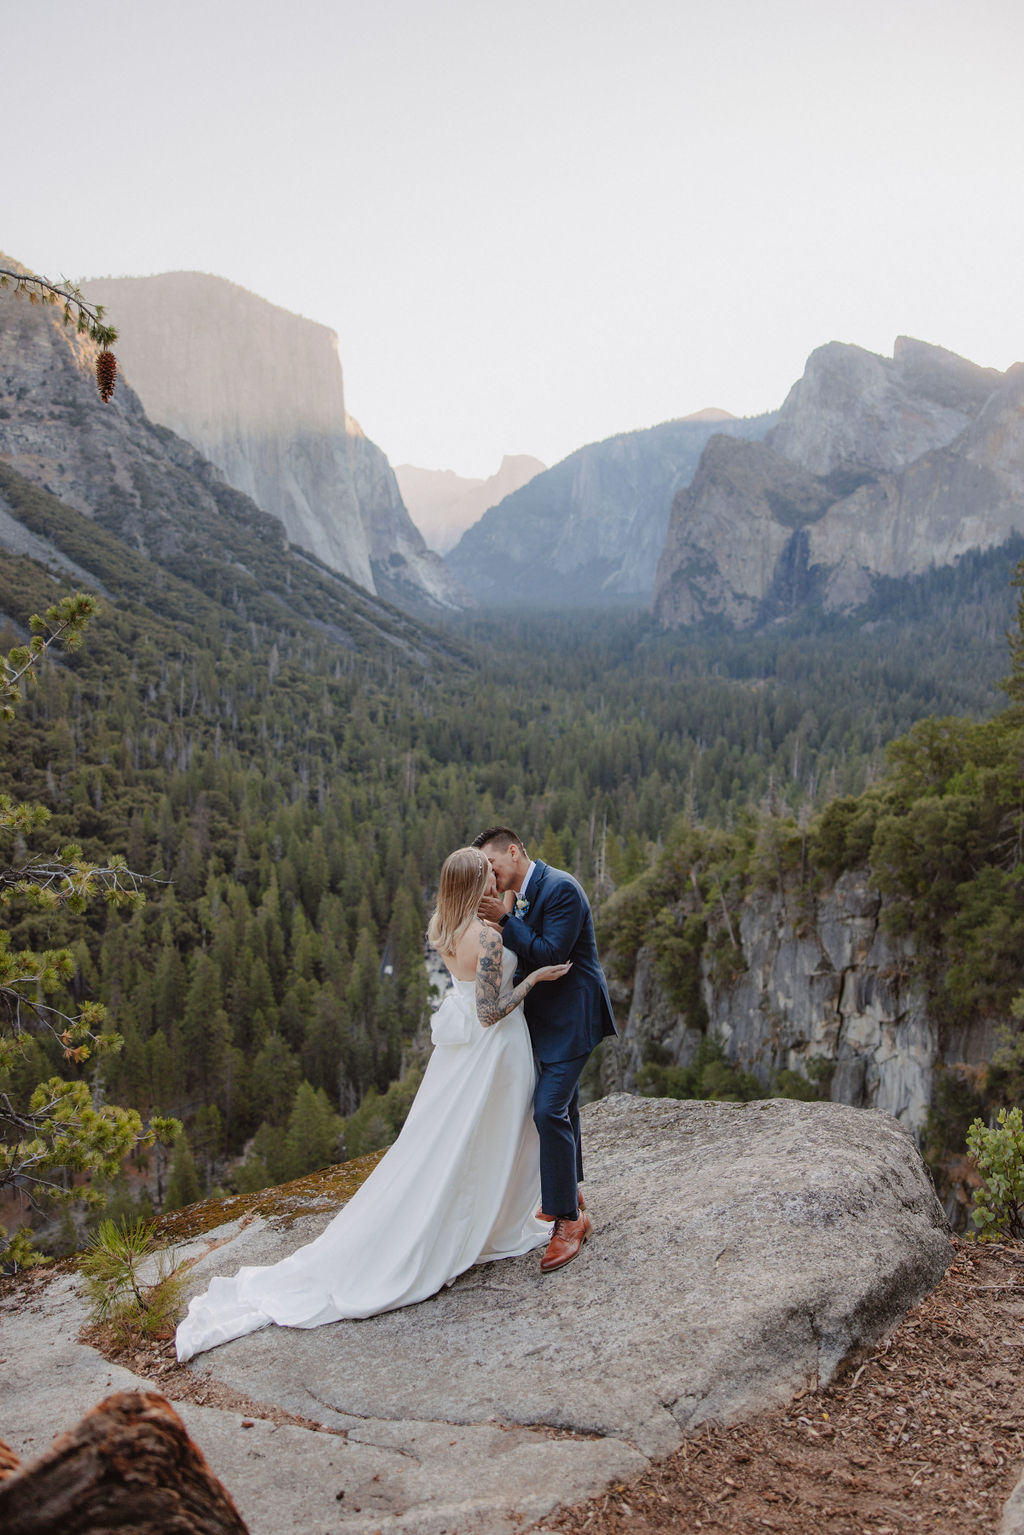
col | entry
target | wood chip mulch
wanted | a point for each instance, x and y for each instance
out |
(926, 1434)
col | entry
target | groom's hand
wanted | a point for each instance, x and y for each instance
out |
(491, 909)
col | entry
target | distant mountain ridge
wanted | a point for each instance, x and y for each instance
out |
(876, 467)
(260, 392)
(591, 529)
(444, 504)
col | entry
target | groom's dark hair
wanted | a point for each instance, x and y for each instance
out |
(503, 835)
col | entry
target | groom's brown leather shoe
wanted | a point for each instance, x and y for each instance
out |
(581, 1202)
(566, 1240)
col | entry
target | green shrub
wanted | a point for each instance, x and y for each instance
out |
(998, 1151)
(711, 1076)
(118, 1296)
(812, 1088)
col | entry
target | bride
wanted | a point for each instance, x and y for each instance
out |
(460, 1184)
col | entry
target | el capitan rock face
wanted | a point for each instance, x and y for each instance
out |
(108, 461)
(259, 391)
(877, 467)
(152, 491)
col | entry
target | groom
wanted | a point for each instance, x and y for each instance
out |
(549, 924)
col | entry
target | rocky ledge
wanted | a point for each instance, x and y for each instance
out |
(741, 1253)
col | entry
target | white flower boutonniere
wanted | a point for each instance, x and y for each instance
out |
(522, 906)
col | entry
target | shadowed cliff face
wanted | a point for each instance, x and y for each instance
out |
(260, 392)
(819, 985)
(877, 467)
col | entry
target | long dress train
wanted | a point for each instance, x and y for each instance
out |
(459, 1186)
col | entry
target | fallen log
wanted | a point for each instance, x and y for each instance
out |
(8, 1461)
(129, 1465)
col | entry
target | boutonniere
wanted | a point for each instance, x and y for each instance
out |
(522, 906)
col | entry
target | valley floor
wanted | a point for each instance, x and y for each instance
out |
(927, 1434)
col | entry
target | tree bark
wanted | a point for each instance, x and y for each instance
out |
(8, 1461)
(129, 1465)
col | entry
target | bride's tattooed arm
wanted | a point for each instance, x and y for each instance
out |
(491, 1006)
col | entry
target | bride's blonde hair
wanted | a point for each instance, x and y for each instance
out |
(463, 881)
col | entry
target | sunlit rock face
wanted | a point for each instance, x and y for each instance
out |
(877, 467)
(444, 504)
(260, 392)
(108, 461)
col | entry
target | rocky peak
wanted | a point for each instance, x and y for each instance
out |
(853, 407)
(444, 504)
(877, 467)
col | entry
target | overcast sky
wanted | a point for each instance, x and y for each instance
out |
(536, 224)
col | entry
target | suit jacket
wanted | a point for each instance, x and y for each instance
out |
(566, 1018)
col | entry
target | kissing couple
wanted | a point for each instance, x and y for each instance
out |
(489, 1162)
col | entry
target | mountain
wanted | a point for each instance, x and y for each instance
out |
(259, 391)
(158, 497)
(590, 530)
(854, 407)
(444, 504)
(876, 467)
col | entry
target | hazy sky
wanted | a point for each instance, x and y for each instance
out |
(536, 224)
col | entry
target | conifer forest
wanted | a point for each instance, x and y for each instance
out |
(286, 795)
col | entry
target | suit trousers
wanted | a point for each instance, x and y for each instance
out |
(556, 1113)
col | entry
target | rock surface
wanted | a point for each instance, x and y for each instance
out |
(444, 504)
(1012, 1522)
(259, 391)
(590, 529)
(877, 467)
(853, 407)
(741, 1252)
(823, 984)
(154, 492)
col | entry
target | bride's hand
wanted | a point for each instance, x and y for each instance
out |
(549, 973)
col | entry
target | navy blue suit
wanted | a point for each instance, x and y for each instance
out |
(566, 1019)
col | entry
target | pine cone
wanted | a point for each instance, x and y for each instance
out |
(106, 374)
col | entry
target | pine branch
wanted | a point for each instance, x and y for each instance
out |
(87, 318)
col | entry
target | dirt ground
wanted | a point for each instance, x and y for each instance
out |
(925, 1434)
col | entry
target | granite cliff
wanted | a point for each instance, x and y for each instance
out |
(444, 504)
(802, 983)
(876, 467)
(260, 393)
(159, 497)
(591, 529)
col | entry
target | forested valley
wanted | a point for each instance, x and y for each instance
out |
(289, 795)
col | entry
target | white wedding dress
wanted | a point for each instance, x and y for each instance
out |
(459, 1186)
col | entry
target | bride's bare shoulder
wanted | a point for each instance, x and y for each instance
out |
(463, 963)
